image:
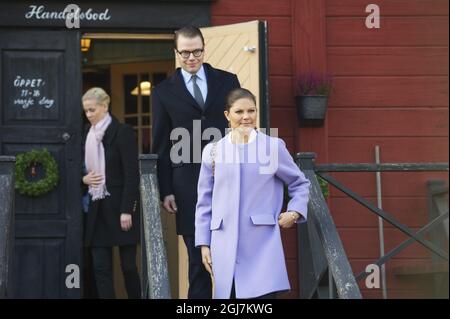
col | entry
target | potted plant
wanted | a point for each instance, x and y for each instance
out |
(312, 99)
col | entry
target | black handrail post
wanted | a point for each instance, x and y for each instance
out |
(156, 279)
(6, 223)
(320, 216)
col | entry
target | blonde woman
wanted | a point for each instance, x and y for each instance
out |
(111, 160)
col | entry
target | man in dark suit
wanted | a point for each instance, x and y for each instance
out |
(193, 100)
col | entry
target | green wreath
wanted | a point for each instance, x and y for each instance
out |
(30, 159)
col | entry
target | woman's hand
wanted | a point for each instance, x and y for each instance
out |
(288, 219)
(125, 222)
(92, 179)
(206, 259)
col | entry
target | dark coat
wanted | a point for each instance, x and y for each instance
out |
(174, 107)
(122, 182)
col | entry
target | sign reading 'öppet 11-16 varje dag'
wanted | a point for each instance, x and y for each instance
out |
(31, 80)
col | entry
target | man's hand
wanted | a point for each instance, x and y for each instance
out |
(169, 204)
(125, 222)
(206, 259)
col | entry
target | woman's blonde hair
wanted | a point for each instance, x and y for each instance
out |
(97, 94)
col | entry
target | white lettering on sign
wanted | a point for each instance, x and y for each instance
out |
(39, 13)
(30, 93)
(32, 83)
(47, 103)
(25, 103)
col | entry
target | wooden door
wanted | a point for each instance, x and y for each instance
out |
(241, 49)
(40, 90)
(132, 105)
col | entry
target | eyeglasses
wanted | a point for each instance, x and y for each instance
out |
(186, 54)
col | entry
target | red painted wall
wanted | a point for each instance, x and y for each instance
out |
(390, 89)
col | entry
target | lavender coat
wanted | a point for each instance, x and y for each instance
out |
(237, 213)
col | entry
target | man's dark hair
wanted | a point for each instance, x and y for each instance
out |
(189, 32)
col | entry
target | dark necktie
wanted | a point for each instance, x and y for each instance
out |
(197, 93)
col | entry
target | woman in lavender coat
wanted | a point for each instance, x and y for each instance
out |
(240, 197)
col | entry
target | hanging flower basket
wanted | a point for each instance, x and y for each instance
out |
(312, 99)
(311, 107)
(28, 162)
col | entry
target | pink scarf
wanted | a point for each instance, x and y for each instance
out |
(95, 156)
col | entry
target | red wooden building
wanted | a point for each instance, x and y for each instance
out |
(390, 88)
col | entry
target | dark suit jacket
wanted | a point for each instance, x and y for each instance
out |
(122, 182)
(174, 107)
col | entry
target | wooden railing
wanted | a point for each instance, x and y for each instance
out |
(6, 222)
(325, 270)
(323, 262)
(155, 276)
